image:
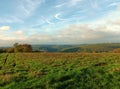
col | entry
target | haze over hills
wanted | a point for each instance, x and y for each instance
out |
(103, 47)
(99, 47)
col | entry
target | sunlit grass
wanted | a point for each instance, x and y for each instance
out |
(60, 71)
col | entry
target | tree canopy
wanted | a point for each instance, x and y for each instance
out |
(20, 48)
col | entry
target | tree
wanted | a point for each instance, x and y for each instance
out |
(16, 47)
(116, 50)
(26, 48)
(2, 50)
(10, 50)
(22, 47)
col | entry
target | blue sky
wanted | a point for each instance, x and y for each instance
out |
(59, 21)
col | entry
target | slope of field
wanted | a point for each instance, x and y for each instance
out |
(60, 71)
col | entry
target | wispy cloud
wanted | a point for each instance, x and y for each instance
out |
(47, 20)
(74, 2)
(57, 16)
(19, 32)
(23, 10)
(60, 5)
(4, 28)
(94, 4)
(114, 4)
(11, 19)
(27, 7)
(67, 3)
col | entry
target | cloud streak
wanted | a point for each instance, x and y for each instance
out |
(23, 10)
(57, 16)
(2, 28)
(27, 7)
(74, 2)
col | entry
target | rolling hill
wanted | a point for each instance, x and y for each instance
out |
(103, 47)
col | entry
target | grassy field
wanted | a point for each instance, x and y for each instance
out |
(60, 71)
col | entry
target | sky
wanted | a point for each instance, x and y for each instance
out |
(59, 21)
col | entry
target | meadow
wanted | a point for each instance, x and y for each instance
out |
(59, 70)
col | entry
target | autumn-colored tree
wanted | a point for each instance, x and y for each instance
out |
(26, 48)
(116, 50)
(10, 50)
(17, 47)
(22, 47)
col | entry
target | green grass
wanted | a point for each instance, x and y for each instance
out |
(60, 71)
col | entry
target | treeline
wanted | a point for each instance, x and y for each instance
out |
(20, 48)
(2, 50)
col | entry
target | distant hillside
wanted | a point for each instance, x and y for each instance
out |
(105, 47)
(51, 48)
(3, 49)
